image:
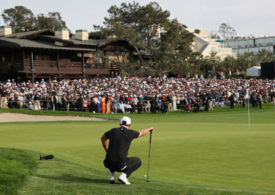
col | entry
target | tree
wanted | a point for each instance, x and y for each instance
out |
(52, 21)
(97, 34)
(149, 30)
(250, 59)
(265, 56)
(19, 18)
(227, 32)
(246, 60)
(194, 65)
(214, 61)
(229, 63)
(214, 35)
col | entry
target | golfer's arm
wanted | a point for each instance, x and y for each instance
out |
(145, 131)
(104, 142)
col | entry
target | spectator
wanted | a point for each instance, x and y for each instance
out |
(141, 94)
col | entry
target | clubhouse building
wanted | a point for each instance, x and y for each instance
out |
(47, 54)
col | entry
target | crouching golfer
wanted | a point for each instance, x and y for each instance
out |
(117, 150)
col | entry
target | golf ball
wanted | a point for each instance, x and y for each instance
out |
(145, 175)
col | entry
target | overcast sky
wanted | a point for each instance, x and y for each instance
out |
(248, 17)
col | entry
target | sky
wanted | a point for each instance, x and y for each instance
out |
(247, 17)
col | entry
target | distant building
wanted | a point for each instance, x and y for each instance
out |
(254, 45)
(46, 53)
(204, 44)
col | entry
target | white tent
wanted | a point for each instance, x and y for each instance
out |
(254, 71)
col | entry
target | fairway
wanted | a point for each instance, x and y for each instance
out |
(192, 153)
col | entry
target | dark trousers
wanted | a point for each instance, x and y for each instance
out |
(131, 164)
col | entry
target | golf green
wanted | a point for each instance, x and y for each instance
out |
(215, 151)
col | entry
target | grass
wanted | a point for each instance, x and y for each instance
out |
(15, 166)
(238, 108)
(192, 153)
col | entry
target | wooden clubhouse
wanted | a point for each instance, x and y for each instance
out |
(47, 54)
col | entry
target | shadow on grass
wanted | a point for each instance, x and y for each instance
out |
(73, 178)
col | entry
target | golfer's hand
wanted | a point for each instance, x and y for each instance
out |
(145, 131)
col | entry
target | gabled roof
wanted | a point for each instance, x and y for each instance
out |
(90, 42)
(104, 42)
(45, 39)
(31, 34)
(25, 43)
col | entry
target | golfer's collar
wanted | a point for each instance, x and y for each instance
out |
(124, 126)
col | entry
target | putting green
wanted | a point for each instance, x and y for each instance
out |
(214, 151)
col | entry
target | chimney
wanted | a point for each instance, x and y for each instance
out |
(62, 33)
(5, 30)
(81, 35)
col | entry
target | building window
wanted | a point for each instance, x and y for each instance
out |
(250, 43)
(254, 50)
(262, 42)
(242, 43)
(242, 51)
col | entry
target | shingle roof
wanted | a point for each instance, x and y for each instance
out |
(25, 43)
(90, 42)
(45, 39)
(26, 34)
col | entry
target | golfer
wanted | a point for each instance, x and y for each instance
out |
(117, 150)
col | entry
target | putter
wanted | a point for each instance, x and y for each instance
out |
(147, 175)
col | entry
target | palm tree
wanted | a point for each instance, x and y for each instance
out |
(206, 64)
(265, 56)
(229, 63)
(214, 60)
(247, 60)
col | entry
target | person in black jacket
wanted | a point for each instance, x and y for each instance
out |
(231, 99)
(117, 150)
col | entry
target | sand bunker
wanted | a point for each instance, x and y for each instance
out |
(16, 117)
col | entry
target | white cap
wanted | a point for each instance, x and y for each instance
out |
(125, 121)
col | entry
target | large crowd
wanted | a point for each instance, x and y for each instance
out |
(128, 95)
